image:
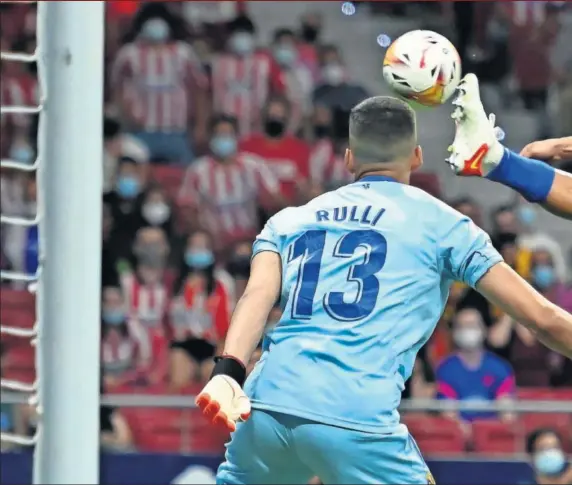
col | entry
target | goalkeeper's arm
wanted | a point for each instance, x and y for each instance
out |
(222, 400)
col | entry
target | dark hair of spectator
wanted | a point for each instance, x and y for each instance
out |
(533, 437)
(502, 209)
(329, 49)
(278, 99)
(241, 23)
(111, 128)
(281, 33)
(223, 119)
(504, 239)
(160, 10)
(382, 129)
(127, 161)
(462, 201)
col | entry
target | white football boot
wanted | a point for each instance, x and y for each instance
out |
(476, 151)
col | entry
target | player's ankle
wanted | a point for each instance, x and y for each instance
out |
(495, 153)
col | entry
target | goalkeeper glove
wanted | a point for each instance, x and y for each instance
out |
(222, 401)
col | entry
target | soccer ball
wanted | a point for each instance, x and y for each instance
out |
(422, 66)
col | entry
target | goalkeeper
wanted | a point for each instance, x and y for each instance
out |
(476, 152)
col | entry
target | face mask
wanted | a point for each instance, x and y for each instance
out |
(274, 127)
(543, 276)
(322, 131)
(285, 55)
(309, 33)
(156, 213)
(128, 187)
(526, 215)
(156, 30)
(113, 317)
(199, 259)
(223, 146)
(550, 462)
(333, 74)
(242, 43)
(22, 154)
(240, 267)
(468, 338)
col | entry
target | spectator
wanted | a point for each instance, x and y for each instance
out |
(337, 91)
(473, 373)
(296, 77)
(530, 237)
(126, 353)
(239, 265)
(548, 458)
(243, 78)
(7, 411)
(124, 203)
(470, 208)
(160, 86)
(109, 276)
(156, 211)
(286, 155)
(327, 168)
(111, 151)
(200, 313)
(21, 242)
(533, 363)
(144, 284)
(222, 190)
(115, 432)
(533, 29)
(310, 30)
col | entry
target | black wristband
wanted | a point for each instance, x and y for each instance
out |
(230, 366)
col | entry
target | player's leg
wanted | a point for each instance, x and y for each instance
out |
(344, 456)
(261, 452)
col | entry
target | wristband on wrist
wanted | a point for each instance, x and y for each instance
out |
(230, 366)
(531, 178)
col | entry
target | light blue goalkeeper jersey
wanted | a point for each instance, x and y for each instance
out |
(366, 271)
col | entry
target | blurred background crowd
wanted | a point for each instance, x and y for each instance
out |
(219, 114)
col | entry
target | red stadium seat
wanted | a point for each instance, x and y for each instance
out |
(19, 362)
(429, 182)
(436, 435)
(496, 437)
(17, 299)
(545, 394)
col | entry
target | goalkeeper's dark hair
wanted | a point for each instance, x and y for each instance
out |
(382, 130)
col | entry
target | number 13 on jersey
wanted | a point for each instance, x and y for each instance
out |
(361, 275)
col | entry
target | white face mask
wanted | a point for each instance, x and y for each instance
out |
(468, 338)
(156, 30)
(333, 74)
(156, 213)
(242, 43)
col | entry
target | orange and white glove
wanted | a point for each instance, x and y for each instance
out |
(476, 150)
(223, 402)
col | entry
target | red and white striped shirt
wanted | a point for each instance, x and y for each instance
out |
(15, 92)
(156, 84)
(327, 167)
(227, 194)
(242, 85)
(147, 303)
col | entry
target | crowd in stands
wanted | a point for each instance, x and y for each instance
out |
(207, 133)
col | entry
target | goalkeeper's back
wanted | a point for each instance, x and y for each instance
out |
(366, 271)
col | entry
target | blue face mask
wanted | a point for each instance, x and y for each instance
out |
(242, 43)
(285, 55)
(526, 215)
(199, 259)
(128, 187)
(550, 462)
(223, 146)
(156, 30)
(543, 276)
(113, 317)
